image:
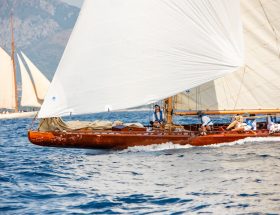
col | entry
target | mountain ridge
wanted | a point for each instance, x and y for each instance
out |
(42, 29)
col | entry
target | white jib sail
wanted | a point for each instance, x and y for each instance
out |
(41, 83)
(126, 53)
(7, 85)
(28, 94)
(257, 85)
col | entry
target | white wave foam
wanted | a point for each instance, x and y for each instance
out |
(157, 147)
(170, 145)
(247, 140)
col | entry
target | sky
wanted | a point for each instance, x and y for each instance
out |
(77, 3)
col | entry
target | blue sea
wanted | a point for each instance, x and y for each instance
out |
(238, 178)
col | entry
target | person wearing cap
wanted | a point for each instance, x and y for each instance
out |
(205, 121)
(158, 117)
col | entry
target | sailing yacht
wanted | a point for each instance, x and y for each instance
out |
(215, 56)
(34, 87)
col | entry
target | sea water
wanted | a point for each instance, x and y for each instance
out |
(237, 178)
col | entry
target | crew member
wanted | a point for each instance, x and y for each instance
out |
(251, 122)
(270, 121)
(205, 121)
(238, 124)
(158, 117)
(272, 124)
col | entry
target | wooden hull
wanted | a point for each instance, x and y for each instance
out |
(122, 140)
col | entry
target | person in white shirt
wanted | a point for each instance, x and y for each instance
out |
(271, 120)
(205, 121)
(158, 117)
(272, 124)
(251, 123)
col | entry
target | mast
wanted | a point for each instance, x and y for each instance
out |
(169, 109)
(13, 62)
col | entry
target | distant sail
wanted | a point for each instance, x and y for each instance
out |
(126, 53)
(28, 98)
(7, 85)
(257, 85)
(41, 83)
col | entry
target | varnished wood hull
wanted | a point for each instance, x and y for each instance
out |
(122, 140)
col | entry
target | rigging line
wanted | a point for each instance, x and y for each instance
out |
(273, 29)
(196, 106)
(150, 112)
(189, 98)
(175, 102)
(199, 98)
(241, 85)
(224, 83)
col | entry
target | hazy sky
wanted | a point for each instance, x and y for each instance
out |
(77, 3)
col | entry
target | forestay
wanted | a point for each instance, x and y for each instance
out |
(257, 85)
(127, 53)
(7, 84)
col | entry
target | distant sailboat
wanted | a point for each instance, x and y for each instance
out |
(34, 87)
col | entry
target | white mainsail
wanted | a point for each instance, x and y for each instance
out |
(256, 86)
(7, 85)
(28, 97)
(41, 83)
(126, 53)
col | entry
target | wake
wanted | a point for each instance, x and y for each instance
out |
(171, 146)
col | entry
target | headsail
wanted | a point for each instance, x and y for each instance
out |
(126, 53)
(256, 86)
(41, 83)
(28, 97)
(7, 85)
